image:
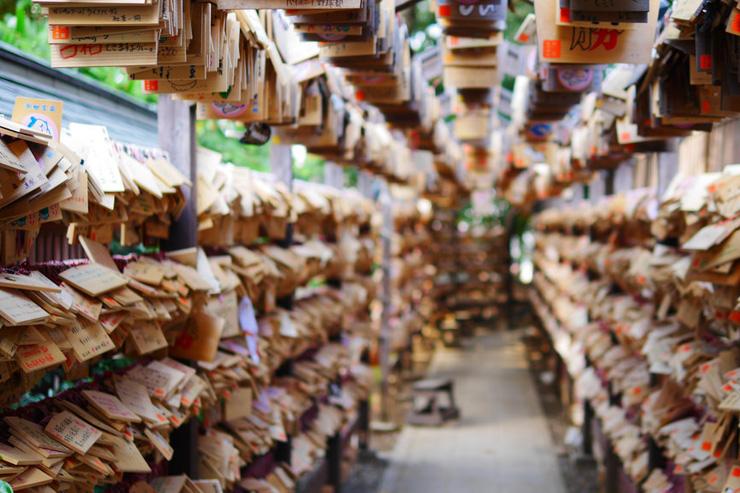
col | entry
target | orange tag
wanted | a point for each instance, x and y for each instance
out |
(551, 48)
(705, 62)
(444, 11)
(151, 85)
(60, 32)
(523, 38)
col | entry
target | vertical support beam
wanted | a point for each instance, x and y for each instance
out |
(598, 187)
(334, 452)
(624, 177)
(652, 171)
(587, 429)
(640, 171)
(667, 170)
(363, 426)
(609, 182)
(281, 164)
(613, 467)
(333, 175)
(365, 184)
(386, 206)
(176, 127)
(576, 193)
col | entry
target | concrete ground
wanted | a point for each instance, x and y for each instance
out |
(501, 443)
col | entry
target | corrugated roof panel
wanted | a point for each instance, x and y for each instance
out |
(85, 101)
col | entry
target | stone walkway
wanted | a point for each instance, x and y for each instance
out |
(501, 444)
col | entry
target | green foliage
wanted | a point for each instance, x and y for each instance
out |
(22, 25)
(118, 79)
(212, 134)
(55, 382)
(312, 169)
(221, 136)
(521, 9)
(422, 18)
(501, 209)
(351, 176)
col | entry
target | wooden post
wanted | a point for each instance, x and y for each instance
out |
(386, 205)
(613, 467)
(624, 177)
(176, 124)
(334, 454)
(176, 127)
(365, 184)
(281, 164)
(598, 187)
(609, 183)
(587, 430)
(333, 175)
(667, 169)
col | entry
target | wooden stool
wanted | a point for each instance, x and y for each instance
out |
(434, 402)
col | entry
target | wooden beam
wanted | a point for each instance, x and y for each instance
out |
(405, 4)
(176, 125)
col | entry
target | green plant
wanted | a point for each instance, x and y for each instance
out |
(23, 26)
(311, 169)
(212, 134)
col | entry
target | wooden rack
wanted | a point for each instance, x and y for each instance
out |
(171, 126)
